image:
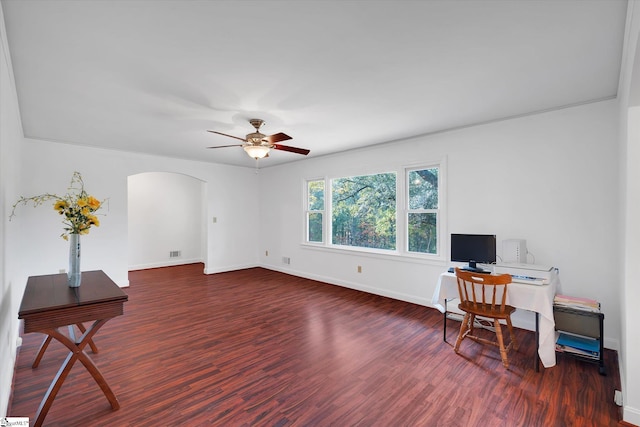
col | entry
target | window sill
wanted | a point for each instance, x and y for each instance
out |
(378, 254)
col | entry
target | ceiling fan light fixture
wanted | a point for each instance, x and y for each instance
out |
(257, 145)
(256, 151)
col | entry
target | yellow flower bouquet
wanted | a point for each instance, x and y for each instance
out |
(77, 207)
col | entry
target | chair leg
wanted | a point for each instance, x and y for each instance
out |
(464, 330)
(514, 341)
(503, 350)
(472, 322)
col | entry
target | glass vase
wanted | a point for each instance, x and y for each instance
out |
(74, 275)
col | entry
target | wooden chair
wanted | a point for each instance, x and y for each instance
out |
(485, 295)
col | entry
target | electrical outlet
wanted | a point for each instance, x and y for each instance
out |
(266, 253)
(215, 220)
(359, 269)
(286, 260)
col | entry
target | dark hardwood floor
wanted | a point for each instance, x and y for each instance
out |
(260, 348)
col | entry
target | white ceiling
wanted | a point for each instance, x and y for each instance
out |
(153, 76)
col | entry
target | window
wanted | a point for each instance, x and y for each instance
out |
(422, 210)
(366, 211)
(363, 211)
(315, 211)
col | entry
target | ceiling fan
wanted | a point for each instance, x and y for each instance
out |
(258, 145)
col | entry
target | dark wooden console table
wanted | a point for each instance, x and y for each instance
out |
(49, 303)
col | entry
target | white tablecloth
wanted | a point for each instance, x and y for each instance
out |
(537, 298)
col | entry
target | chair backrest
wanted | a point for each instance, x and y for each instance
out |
(486, 291)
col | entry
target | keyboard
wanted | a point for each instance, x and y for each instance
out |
(528, 280)
(478, 271)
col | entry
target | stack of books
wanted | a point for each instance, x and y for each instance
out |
(576, 303)
(572, 343)
(577, 344)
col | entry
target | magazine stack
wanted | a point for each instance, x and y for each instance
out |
(576, 303)
(567, 342)
(577, 344)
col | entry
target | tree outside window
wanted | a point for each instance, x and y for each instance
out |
(315, 211)
(422, 210)
(363, 211)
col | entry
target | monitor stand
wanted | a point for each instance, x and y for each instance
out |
(473, 267)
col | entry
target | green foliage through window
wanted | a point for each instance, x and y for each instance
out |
(422, 212)
(315, 210)
(316, 195)
(363, 212)
(315, 227)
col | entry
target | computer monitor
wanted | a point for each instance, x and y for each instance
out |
(473, 249)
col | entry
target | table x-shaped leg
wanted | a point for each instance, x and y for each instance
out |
(76, 353)
(47, 341)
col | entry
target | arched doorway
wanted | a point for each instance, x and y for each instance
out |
(165, 220)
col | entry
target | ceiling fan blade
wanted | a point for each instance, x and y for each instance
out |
(277, 137)
(297, 150)
(225, 146)
(224, 134)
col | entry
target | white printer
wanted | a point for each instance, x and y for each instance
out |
(533, 274)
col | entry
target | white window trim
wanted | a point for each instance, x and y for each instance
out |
(402, 228)
(438, 211)
(329, 206)
(305, 238)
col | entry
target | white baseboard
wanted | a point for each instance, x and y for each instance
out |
(159, 264)
(229, 268)
(631, 415)
(353, 285)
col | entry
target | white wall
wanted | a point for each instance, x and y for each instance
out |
(47, 167)
(10, 292)
(548, 178)
(629, 102)
(544, 192)
(33, 236)
(630, 353)
(166, 214)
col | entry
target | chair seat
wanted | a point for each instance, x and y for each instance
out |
(486, 310)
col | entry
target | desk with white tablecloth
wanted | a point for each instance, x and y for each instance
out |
(536, 298)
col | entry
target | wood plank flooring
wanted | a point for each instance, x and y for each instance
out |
(261, 348)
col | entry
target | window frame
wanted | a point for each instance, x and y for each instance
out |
(308, 211)
(329, 198)
(437, 211)
(402, 213)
